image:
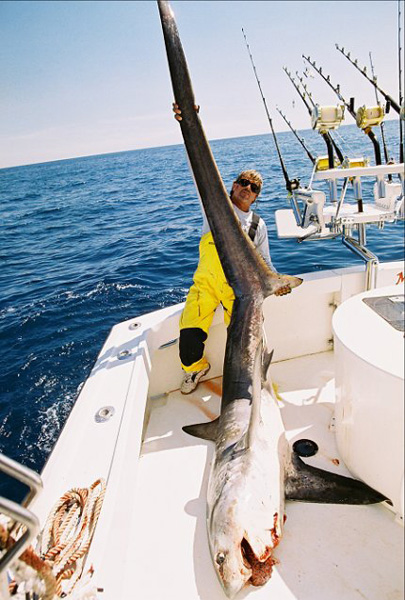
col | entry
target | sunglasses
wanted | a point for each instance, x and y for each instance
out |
(253, 186)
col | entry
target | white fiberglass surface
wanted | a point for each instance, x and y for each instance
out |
(327, 551)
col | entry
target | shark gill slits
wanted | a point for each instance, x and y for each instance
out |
(305, 447)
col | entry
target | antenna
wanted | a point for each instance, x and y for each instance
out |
(290, 184)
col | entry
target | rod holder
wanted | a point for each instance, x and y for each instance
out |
(369, 258)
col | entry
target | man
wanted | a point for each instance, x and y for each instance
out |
(210, 287)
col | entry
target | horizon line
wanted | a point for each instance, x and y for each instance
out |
(56, 160)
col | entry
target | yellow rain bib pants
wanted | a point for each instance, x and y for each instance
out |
(210, 288)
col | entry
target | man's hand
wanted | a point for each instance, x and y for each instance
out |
(286, 289)
(177, 111)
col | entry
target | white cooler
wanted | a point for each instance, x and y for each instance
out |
(369, 415)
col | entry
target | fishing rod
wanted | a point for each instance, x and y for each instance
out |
(350, 107)
(389, 99)
(330, 144)
(382, 124)
(301, 95)
(291, 184)
(334, 144)
(301, 140)
(401, 99)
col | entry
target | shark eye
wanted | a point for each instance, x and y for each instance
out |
(220, 557)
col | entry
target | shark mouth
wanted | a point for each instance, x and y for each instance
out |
(261, 569)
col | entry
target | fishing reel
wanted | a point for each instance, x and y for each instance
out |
(326, 118)
(369, 116)
(293, 184)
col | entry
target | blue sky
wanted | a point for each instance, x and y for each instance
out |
(82, 78)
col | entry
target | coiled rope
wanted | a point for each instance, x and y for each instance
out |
(41, 569)
(65, 540)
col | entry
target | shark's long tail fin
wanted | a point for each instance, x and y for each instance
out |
(249, 274)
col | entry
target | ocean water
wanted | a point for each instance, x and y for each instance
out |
(88, 242)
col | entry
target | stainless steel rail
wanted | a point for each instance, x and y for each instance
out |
(19, 513)
(369, 258)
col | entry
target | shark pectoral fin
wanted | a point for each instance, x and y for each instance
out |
(266, 361)
(310, 484)
(205, 431)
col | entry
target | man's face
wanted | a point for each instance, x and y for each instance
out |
(242, 194)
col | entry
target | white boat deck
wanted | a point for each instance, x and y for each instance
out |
(327, 552)
(151, 541)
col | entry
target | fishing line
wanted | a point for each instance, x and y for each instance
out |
(345, 144)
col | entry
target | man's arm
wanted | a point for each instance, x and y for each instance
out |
(262, 243)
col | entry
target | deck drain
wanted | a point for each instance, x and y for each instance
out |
(104, 414)
(135, 325)
(305, 447)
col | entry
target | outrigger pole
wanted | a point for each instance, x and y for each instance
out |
(291, 184)
(349, 105)
(301, 140)
(329, 141)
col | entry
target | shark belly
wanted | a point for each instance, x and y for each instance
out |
(245, 501)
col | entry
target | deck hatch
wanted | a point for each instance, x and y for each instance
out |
(390, 308)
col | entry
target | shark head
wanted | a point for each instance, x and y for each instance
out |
(277, 281)
(236, 564)
(240, 557)
(232, 569)
(225, 539)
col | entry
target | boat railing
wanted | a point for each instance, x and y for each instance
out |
(311, 209)
(314, 216)
(18, 514)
